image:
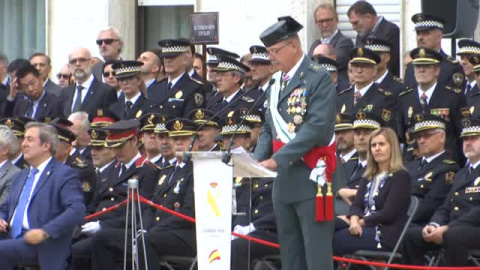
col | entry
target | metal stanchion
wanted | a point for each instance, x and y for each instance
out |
(134, 207)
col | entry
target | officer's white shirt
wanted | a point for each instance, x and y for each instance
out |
(380, 80)
(349, 155)
(363, 90)
(175, 80)
(429, 92)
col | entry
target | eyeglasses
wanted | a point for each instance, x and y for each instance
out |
(80, 60)
(329, 20)
(63, 76)
(107, 74)
(107, 41)
(426, 135)
(276, 51)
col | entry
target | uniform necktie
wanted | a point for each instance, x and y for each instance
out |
(224, 103)
(177, 168)
(123, 169)
(423, 163)
(128, 107)
(29, 112)
(165, 164)
(17, 223)
(169, 86)
(285, 79)
(356, 98)
(423, 100)
(470, 169)
(469, 87)
(78, 100)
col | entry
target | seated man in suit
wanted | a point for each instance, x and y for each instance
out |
(44, 205)
(455, 226)
(88, 94)
(8, 145)
(165, 234)
(28, 98)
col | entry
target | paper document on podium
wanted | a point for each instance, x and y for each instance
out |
(246, 166)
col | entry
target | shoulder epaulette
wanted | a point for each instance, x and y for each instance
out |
(449, 161)
(315, 66)
(343, 91)
(454, 89)
(248, 99)
(406, 91)
(397, 79)
(385, 92)
(354, 158)
(195, 80)
(452, 60)
(78, 162)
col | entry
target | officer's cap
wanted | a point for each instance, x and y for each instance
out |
(103, 119)
(427, 22)
(425, 56)
(467, 46)
(99, 137)
(427, 122)
(153, 122)
(475, 61)
(378, 45)
(229, 64)
(234, 123)
(17, 126)
(343, 121)
(121, 131)
(174, 47)
(329, 64)
(204, 117)
(285, 28)
(62, 125)
(471, 127)
(251, 115)
(213, 54)
(126, 69)
(259, 55)
(366, 120)
(364, 56)
(181, 127)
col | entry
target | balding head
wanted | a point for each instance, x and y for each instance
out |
(325, 50)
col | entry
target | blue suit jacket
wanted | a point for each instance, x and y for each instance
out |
(56, 206)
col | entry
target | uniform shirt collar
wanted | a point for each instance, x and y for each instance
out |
(156, 158)
(5, 80)
(363, 162)
(130, 163)
(149, 82)
(429, 92)
(105, 166)
(364, 90)
(175, 80)
(474, 166)
(430, 159)
(295, 68)
(380, 80)
(229, 98)
(86, 85)
(349, 155)
(134, 99)
(191, 72)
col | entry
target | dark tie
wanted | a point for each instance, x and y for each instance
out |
(29, 112)
(423, 101)
(165, 164)
(470, 169)
(128, 107)
(224, 103)
(177, 168)
(169, 86)
(423, 163)
(78, 100)
(469, 87)
(123, 169)
(98, 173)
(356, 98)
(17, 223)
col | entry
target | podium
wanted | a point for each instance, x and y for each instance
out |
(213, 182)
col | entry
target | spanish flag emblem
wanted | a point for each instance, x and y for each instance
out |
(214, 256)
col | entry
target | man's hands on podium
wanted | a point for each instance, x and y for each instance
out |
(270, 164)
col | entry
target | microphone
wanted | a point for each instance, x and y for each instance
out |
(227, 156)
(187, 156)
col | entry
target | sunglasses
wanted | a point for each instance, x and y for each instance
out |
(107, 41)
(107, 74)
(63, 76)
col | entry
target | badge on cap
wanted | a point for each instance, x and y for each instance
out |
(150, 119)
(178, 125)
(422, 53)
(94, 134)
(199, 114)
(360, 115)
(360, 52)
(9, 123)
(338, 119)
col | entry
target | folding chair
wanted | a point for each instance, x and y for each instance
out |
(366, 255)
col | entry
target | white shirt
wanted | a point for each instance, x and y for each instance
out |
(327, 40)
(190, 73)
(171, 161)
(175, 80)
(295, 68)
(86, 85)
(429, 92)
(134, 98)
(349, 155)
(149, 82)
(155, 158)
(265, 86)
(129, 164)
(40, 168)
(17, 158)
(364, 163)
(474, 166)
(364, 90)
(105, 167)
(5, 80)
(35, 104)
(472, 84)
(380, 80)
(429, 159)
(229, 98)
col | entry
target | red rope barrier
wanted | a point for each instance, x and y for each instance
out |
(275, 245)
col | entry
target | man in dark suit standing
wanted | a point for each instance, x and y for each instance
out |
(42, 62)
(88, 93)
(44, 206)
(110, 45)
(33, 101)
(300, 118)
(365, 21)
(326, 19)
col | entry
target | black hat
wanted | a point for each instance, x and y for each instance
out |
(377, 45)
(251, 115)
(121, 131)
(214, 53)
(343, 121)
(229, 64)
(367, 120)
(475, 61)
(64, 134)
(231, 124)
(103, 119)
(285, 27)
(125, 69)
(181, 127)
(153, 122)
(99, 137)
(45, 119)
(259, 55)
(467, 46)
(174, 47)
(471, 127)
(364, 56)
(427, 22)
(17, 126)
(329, 64)
(204, 117)
(427, 122)
(425, 56)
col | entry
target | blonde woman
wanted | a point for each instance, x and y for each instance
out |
(379, 210)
